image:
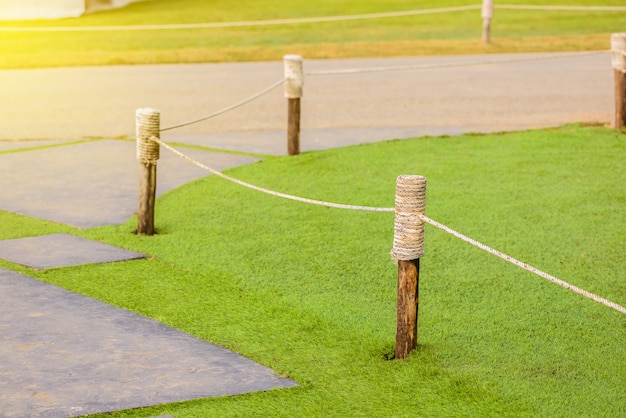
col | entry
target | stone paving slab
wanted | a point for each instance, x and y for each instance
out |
(93, 183)
(61, 250)
(64, 354)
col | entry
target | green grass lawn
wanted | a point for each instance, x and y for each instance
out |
(310, 291)
(449, 33)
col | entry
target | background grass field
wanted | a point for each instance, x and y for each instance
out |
(310, 291)
(447, 33)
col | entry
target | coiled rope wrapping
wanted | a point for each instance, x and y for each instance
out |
(618, 51)
(148, 121)
(408, 230)
(294, 76)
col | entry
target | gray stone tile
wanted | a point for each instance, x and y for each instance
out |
(65, 354)
(61, 250)
(94, 183)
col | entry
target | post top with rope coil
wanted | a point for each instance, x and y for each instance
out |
(294, 76)
(618, 51)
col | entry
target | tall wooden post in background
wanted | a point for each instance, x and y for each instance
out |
(487, 14)
(618, 51)
(294, 81)
(147, 126)
(408, 248)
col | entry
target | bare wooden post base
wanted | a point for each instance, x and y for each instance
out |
(293, 126)
(486, 31)
(620, 99)
(147, 198)
(408, 299)
(487, 15)
(294, 81)
(618, 52)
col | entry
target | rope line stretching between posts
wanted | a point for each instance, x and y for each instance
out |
(397, 251)
(214, 25)
(374, 70)
(526, 267)
(450, 64)
(562, 8)
(267, 191)
(229, 108)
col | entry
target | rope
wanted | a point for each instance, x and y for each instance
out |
(419, 188)
(226, 109)
(408, 229)
(293, 70)
(563, 8)
(147, 126)
(267, 191)
(294, 78)
(526, 266)
(618, 51)
(238, 24)
(451, 64)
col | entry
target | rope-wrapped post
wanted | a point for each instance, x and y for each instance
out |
(408, 248)
(487, 15)
(618, 51)
(294, 80)
(148, 126)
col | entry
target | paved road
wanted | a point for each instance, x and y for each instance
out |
(95, 184)
(69, 103)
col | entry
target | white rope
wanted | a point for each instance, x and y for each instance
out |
(267, 191)
(229, 108)
(563, 8)
(408, 226)
(238, 24)
(465, 238)
(450, 64)
(526, 266)
(294, 77)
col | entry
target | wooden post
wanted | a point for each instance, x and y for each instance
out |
(407, 307)
(293, 126)
(408, 248)
(147, 126)
(487, 14)
(294, 80)
(618, 49)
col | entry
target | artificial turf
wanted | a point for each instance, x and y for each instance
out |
(310, 291)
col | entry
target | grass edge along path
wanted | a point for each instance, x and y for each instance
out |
(456, 32)
(310, 291)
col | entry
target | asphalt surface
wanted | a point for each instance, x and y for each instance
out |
(63, 353)
(546, 90)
